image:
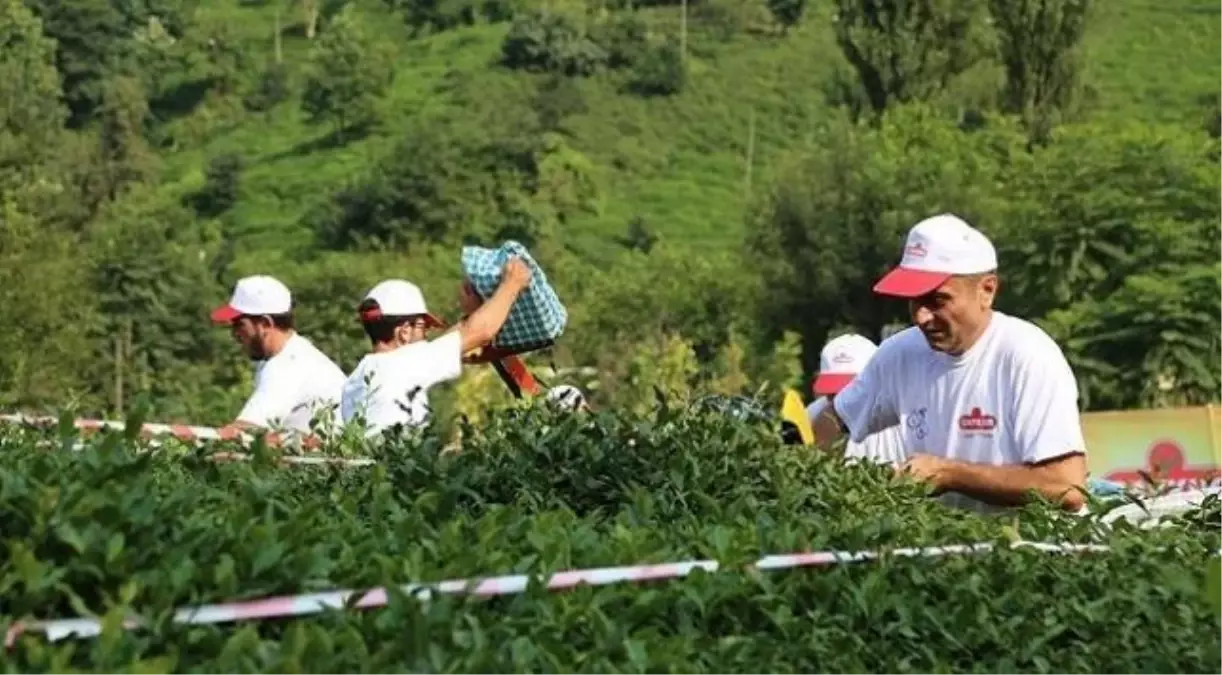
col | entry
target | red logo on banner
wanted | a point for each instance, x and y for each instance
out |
(1165, 463)
(977, 421)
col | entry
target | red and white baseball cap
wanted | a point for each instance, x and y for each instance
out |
(840, 361)
(396, 297)
(257, 295)
(938, 248)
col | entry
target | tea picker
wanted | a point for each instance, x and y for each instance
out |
(295, 382)
(509, 309)
(987, 402)
(840, 360)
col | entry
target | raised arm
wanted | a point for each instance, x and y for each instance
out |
(483, 323)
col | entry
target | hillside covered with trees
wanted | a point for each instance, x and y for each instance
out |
(712, 185)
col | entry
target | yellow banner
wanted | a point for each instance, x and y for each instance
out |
(1178, 445)
(1215, 431)
(794, 412)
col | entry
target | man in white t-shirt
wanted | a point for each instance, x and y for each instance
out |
(987, 403)
(295, 383)
(390, 385)
(839, 362)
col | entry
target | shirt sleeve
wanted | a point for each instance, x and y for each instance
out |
(1047, 423)
(351, 400)
(813, 410)
(274, 398)
(867, 405)
(442, 360)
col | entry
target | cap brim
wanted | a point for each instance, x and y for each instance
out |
(907, 283)
(225, 314)
(430, 320)
(827, 384)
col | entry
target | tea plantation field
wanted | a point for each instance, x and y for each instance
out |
(110, 531)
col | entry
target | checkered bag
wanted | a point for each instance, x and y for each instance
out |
(537, 317)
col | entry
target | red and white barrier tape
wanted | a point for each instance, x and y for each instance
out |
(314, 603)
(188, 433)
(184, 432)
(312, 460)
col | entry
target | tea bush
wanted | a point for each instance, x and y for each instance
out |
(110, 530)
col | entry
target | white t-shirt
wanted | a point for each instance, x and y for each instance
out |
(883, 447)
(1010, 399)
(294, 386)
(391, 388)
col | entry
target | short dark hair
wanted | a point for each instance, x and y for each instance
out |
(381, 327)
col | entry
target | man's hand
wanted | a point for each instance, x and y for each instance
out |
(468, 299)
(516, 274)
(482, 324)
(931, 469)
(1058, 480)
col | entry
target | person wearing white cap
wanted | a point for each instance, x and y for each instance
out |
(987, 402)
(390, 385)
(295, 383)
(839, 362)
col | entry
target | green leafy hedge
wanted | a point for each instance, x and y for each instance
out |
(112, 530)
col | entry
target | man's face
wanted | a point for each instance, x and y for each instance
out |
(413, 330)
(250, 332)
(951, 315)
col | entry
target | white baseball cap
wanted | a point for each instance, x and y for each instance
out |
(396, 297)
(840, 361)
(258, 295)
(938, 248)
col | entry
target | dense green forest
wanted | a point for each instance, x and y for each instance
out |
(712, 185)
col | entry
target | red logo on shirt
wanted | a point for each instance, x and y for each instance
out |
(977, 421)
(916, 250)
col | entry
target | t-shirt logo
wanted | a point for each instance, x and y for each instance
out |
(977, 420)
(916, 423)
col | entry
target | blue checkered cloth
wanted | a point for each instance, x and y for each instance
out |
(538, 317)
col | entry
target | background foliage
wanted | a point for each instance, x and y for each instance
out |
(713, 194)
(110, 531)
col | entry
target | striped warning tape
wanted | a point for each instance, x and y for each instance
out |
(314, 603)
(296, 460)
(312, 460)
(184, 432)
(188, 433)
